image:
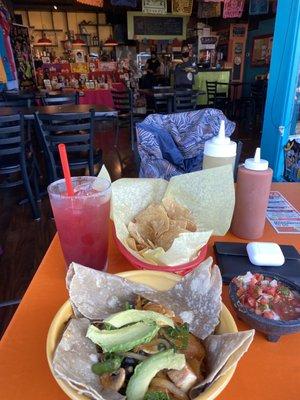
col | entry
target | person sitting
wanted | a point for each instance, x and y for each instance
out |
(153, 64)
(185, 72)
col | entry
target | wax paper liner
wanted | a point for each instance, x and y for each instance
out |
(208, 194)
(196, 298)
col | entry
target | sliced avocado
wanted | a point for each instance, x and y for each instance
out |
(129, 316)
(123, 339)
(144, 372)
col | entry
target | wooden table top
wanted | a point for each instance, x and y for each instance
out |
(268, 371)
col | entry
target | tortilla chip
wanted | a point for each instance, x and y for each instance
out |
(167, 238)
(140, 233)
(175, 210)
(154, 216)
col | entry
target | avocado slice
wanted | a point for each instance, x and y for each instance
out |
(123, 339)
(129, 316)
(144, 372)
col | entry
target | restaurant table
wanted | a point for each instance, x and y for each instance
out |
(100, 111)
(100, 96)
(268, 371)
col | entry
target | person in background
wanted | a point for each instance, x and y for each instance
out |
(153, 64)
(185, 72)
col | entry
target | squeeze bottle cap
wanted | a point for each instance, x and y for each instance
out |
(256, 163)
(221, 145)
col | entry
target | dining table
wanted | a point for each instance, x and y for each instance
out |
(101, 111)
(268, 371)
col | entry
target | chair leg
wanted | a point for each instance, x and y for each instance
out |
(132, 134)
(35, 210)
(117, 132)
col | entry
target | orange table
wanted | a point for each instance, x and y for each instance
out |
(269, 371)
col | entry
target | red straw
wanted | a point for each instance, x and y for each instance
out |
(66, 168)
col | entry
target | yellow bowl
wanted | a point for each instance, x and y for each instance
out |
(159, 281)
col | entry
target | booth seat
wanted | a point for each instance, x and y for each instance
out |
(173, 144)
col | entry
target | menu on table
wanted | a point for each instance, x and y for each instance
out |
(282, 215)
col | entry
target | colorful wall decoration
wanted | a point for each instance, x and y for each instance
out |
(124, 3)
(21, 46)
(154, 6)
(182, 7)
(258, 7)
(209, 10)
(261, 50)
(233, 8)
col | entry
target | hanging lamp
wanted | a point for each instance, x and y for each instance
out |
(110, 42)
(94, 3)
(78, 41)
(44, 41)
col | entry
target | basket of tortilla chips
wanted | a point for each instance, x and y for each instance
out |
(166, 225)
(118, 338)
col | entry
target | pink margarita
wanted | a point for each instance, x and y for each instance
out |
(82, 220)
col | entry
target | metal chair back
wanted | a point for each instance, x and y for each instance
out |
(76, 131)
(123, 101)
(211, 91)
(16, 159)
(185, 100)
(60, 99)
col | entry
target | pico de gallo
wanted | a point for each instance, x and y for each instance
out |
(268, 297)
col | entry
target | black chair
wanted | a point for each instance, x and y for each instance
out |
(60, 99)
(76, 131)
(211, 91)
(15, 103)
(160, 103)
(216, 98)
(185, 100)
(17, 158)
(15, 99)
(123, 103)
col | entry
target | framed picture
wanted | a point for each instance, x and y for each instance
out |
(261, 50)
(79, 56)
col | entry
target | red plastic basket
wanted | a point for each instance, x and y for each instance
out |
(182, 269)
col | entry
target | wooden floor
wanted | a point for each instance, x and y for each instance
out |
(24, 241)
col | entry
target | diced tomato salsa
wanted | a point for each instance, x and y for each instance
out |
(268, 297)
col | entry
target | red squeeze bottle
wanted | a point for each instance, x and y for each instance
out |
(251, 198)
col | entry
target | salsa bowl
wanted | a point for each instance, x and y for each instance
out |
(273, 329)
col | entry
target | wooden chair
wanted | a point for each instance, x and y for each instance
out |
(60, 99)
(185, 100)
(17, 158)
(76, 131)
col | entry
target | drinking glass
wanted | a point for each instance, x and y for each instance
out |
(82, 220)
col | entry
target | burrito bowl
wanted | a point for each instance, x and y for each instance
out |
(159, 281)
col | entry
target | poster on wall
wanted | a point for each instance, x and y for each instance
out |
(209, 10)
(233, 8)
(182, 7)
(20, 42)
(155, 6)
(261, 50)
(258, 7)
